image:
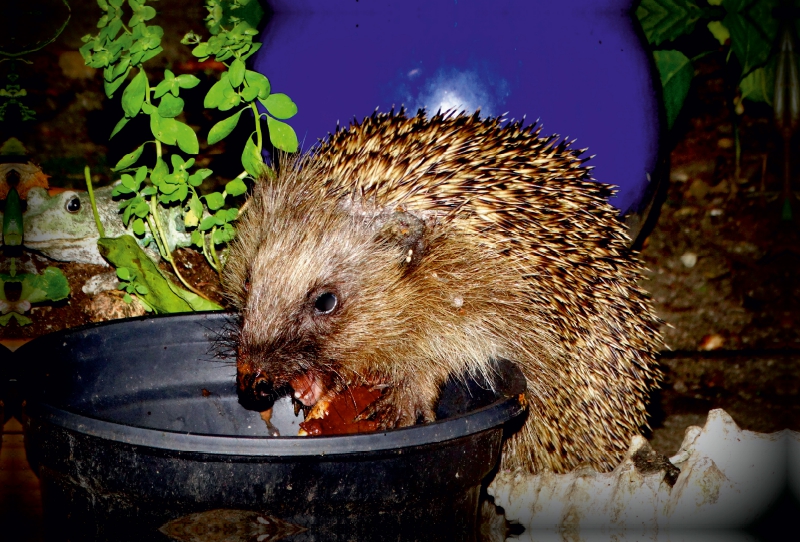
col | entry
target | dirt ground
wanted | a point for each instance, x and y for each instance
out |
(722, 264)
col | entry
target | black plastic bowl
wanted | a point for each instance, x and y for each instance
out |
(136, 423)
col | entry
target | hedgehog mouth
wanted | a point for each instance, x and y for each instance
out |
(308, 389)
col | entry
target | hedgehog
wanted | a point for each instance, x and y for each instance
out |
(406, 250)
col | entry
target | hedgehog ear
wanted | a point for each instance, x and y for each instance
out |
(405, 231)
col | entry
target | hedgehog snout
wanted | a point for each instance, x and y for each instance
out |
(255, 383)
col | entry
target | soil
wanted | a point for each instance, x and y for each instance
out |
(721, 261)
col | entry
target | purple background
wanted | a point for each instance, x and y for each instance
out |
(578, 66)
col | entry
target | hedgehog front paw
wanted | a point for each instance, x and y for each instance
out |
(398, 407)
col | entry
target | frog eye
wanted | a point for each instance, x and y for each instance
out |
(73, 204)
(325, 303)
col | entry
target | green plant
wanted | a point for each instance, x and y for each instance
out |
(50, 285)
(759, 38)
(130, 285)
(121, 48)
(746, 29)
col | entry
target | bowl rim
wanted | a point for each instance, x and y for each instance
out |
(494, 415)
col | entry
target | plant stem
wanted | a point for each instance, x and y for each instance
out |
(208, 255)
(216, 265)
(737, 170)
(89, 188)
(151, 223)
(159, 231)
(257, 117)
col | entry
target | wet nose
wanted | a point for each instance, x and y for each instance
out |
(255, 383)
(262, 386)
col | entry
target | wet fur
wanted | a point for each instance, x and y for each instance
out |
(449, 242)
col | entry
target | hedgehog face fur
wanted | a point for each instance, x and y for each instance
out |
(407, 250)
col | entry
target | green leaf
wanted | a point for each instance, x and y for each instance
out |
(123, 273)
(111, 87)
(133, 95)
(230, 214)
(125, 205)
(141, 289)
(759, 85)
(202, 51)
(121, 190)
(196, 179)
(168, 187)
(121, 124)
(236, 73)
(207, 223)
(223, 234)
(177, 162)
(129, 182)
(197, 238)
(196, 206)
(719, 31)
(141, 174)
(162, 296)
(223, 128)
(121, 68)
(251, 159)
(141, 208)
(282, 135)
(186, 138)
(259, 81)
(666, 20)
(748, 42)
(235, 188)
(170, 106)
(192, 216)
(86, 50)
(676, 73)
(253, 49)
(179, 195)
(138, 227)
(163, 87)
(280, 106)
(216, 94)
(148, 109)
(187, 81)
(110, 32)
(51, 285)
(151, 54)
(129, 158)
(160, 172)
(230, 100)
(249, 94)
(165, 130)
(214, 200)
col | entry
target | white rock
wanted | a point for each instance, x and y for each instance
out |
(689, 259)
(728, 478)
(103, 282)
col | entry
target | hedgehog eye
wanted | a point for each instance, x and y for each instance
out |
(73, 204)
(325, 303)
(247, 284)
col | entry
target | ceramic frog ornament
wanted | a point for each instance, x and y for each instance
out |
(60, 225)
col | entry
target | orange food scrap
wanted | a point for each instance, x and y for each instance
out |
(336, 416)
